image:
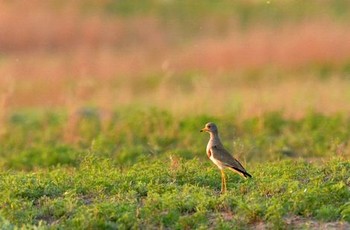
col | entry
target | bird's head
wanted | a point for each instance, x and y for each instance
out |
(210, 128)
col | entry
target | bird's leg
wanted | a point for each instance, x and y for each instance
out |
(223, 182)
(225, 187)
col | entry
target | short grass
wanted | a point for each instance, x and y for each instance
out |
(145, 168)
(177, 193)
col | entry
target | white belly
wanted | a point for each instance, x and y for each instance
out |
(217, 163)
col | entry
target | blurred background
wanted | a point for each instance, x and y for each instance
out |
(188, 57)
(131, 77)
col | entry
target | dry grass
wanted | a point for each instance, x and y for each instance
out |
(57, 57)
(290, 46)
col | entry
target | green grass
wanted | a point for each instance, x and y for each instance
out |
(185, 194)
(145, 167)
(246, 12)
(39, 138)
(190, 17)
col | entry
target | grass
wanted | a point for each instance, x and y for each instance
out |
(101, 103)
(144, 167)
(40, 139)
(175, 56)
(174, 193)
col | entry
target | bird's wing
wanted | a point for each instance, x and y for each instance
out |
(222, 155)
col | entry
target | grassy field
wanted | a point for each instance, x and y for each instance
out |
(148, 168)
(101, 103)
(176, 193)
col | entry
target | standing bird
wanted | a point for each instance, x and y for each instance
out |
(220, 156)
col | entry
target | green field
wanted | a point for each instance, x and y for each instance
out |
(101, 104)
(144, 168)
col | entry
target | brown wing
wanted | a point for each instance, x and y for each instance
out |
(222, 155)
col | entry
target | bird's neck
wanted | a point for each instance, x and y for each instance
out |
(214, 138)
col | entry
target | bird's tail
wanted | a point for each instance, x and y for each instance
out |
(241, 172)
(246, 175)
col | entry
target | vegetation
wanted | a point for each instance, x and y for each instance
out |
(101, 103)
(174, 194)
(148, 168)
(48, 138)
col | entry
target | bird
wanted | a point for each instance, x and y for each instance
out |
(220, 156)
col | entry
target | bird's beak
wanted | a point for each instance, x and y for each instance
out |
(204, 130)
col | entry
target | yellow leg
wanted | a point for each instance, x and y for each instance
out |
(223, 182)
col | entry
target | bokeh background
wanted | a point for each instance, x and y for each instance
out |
(130, 79)
(188, 57)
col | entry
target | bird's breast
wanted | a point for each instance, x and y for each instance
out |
(216, 162)
(208, 149)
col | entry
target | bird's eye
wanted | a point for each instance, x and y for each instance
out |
(209, 126)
